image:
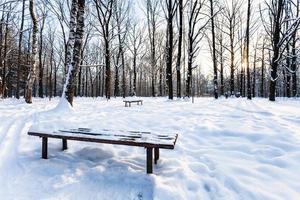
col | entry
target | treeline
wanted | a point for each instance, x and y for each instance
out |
(149, 48)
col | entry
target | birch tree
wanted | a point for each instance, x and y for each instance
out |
(76, 37)
(32, 72)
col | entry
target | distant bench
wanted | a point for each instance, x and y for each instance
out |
(128, 102)
(148, 140)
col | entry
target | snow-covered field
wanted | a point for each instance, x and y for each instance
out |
(227, 149)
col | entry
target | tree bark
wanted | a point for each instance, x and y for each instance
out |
(41, 68)
(178, 64)
(276, 49)
(74, 67)
(32, 72)
(214, 50)
(247, 51)
(262, 86)
(20, 50)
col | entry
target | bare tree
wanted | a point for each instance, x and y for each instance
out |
(32, 73)
(278, 37)
(20, 50)
(214, 49)
(104, 13)
(247, 49)
(134, 45)
(41, 68)
(73, 68)
(230, 13)
(121, 10)
(195, 35)
(152, 13)
(179, 51)
(295, 51)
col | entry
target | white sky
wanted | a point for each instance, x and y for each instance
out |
(204, 57)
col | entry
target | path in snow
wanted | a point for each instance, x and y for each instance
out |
(227, 149)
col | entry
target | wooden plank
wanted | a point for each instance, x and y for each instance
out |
(149, 161)
(64, 144)
(136, 136)
(44, 147)
(133, 101)
(156, 155)
(105, 141)
(131, 138)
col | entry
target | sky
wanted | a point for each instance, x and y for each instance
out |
(203, 59)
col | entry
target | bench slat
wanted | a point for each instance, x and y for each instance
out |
(131, 138)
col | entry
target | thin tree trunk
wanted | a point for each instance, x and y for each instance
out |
(4, 75)
(262, 92)
(247, 51)
(20, 50)
(214, 50)
(41, 69)
(254, 73)
(178, 64)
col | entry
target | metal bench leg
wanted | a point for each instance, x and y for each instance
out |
(44, 147)
(149, 160)
(64, 144)
(125, 104)
(129, 104)
(156, 155)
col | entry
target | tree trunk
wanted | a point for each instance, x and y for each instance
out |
(5, 73)
(74, 67)
(20, 50)
(1, 56)
(275, 42)
(116, 92)
(107, 69)
(294, 59)
(32, 72)
(221, 65)
(169, 49)
(262, 86)
(254, 73)
(247, 51)
(178, 64)
(134, 72)
(41, 70)
(214, 50)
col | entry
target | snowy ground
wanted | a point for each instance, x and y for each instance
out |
(227, 149)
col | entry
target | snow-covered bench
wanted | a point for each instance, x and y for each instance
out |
(128, 102)
(151, 141)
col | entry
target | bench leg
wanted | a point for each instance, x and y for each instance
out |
(64, 144)
(125, 104)
(149, 160)
(44, 147)
(156, 155)
(129, 104)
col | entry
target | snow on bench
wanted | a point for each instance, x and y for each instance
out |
(118, 137)
(132, 101)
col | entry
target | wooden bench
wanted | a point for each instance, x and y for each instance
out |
(128, 102)
(151, 141)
